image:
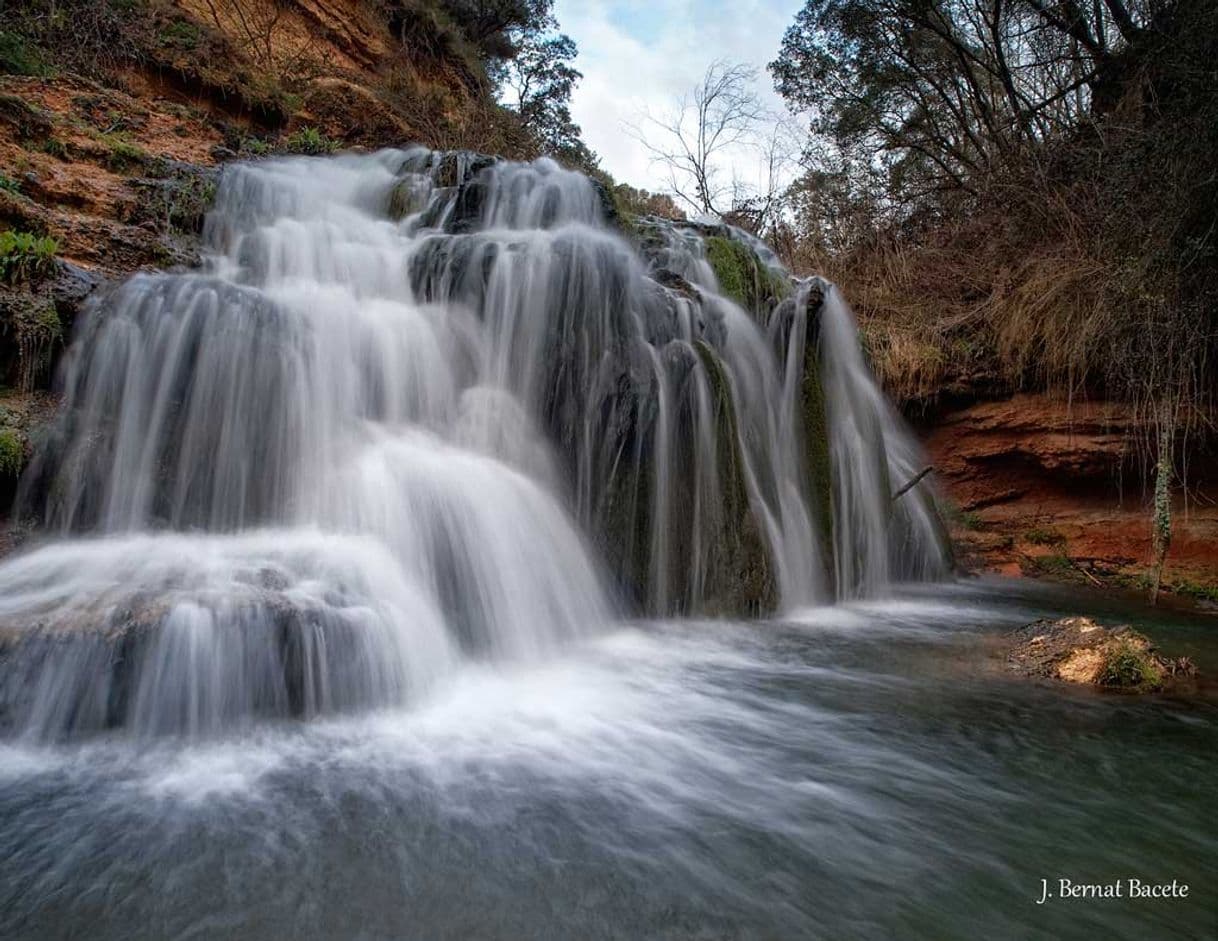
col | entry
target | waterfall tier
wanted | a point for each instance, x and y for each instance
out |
(421, 407)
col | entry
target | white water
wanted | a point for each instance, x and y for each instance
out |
(876, 538)
(355, 451)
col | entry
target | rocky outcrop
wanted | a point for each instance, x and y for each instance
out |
(1046, 487)
(148, 665)
(1078, 650)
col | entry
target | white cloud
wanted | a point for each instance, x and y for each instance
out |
(638, 56)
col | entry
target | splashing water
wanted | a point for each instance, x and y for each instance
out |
(418, 408)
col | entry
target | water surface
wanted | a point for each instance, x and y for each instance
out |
(861, 771)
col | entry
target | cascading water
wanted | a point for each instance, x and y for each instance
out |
(419, 408)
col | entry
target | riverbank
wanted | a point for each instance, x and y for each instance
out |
(1041, 487)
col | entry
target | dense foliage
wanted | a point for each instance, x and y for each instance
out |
(1015, 187)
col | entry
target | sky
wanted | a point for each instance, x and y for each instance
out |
(643, 54)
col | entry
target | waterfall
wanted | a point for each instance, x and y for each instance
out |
(417, 408)
(878, 536)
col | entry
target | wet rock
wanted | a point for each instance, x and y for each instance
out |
(270, 656)
(1079, 650)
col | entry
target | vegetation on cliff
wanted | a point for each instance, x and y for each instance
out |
(1039, 208)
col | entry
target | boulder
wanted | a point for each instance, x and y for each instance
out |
(1079, 650)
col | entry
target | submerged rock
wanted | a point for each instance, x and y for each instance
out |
(1078, 650)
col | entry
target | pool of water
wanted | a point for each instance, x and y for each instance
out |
(863, 771)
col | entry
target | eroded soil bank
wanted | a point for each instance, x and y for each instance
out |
(1044, 487)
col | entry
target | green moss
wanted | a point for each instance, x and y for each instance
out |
(1130, 666)
(189, 202)
(816, 441)
(122, 154)
(741, 567)
(733, 265)
(12, 452)
(743, 277)
(33, 323)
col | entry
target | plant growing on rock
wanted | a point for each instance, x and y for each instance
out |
(12, 452)
(1129, 665)
(25, 256)
(310, 141)
(741, 274)
(35, 327)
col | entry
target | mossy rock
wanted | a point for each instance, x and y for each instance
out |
(742, 566)
(30, 331)
(743, 277)
(12, 452)
(176, 201)
(1079, 650)
(819, 464)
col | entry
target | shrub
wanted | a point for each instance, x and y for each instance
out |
(308, 140)
(9, 185)
(56, 148)
(1044, 536)
(1129, 665)
(181, 34)
(17, 57)
(1057, 565)
(25, 256)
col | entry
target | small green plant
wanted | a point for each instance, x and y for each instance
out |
(255, 146)
(1057, 565)
(123, 154)
(12, 452)
(17, 57)
(308, 140)
(1196, 591)
(9, 185)
(970, 519)
(1130, 666)
(964, 519)
(56, 148)
(25, 256)
(1044, 536)
(181, 34)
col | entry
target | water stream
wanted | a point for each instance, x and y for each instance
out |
(853, 772)
(393, 580)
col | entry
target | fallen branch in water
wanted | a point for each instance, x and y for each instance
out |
(913, 483)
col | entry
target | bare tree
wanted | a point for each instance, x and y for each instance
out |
(758, 205)
(721, 113)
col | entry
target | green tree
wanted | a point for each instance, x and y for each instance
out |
(537, 82)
